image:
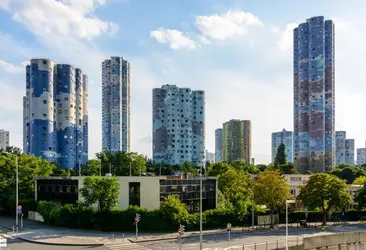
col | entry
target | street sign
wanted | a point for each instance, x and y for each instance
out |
(228, 226)
(19, 211)
(137, 218)
(180, 232)
(20, 207)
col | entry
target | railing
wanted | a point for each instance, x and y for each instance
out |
(268, 245)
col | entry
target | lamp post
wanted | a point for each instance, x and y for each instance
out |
(17, 191)
(287, 202)
(132, 159)
(253, 178)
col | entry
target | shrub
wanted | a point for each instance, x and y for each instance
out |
(45, 209)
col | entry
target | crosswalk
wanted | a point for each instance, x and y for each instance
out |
(126, 246)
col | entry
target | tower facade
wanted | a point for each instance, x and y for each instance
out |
(314, 99)
(237, 140)
(116, 98)
(284, 137)
(350, 151)
(4, 139)
(178, 125)
(55, 113)
(218, 145)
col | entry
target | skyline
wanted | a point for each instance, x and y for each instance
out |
(254, 54)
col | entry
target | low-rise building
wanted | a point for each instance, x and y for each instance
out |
(297, 180)
(143, 191)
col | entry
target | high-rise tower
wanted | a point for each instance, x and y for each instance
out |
(55, 116)
(218, 145)
(237, 140)
(314, 99)
(116, 105)
(178, 125)
(284, 137)
(4, 139)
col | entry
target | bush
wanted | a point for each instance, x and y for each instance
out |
(27, 205)
(45, 208)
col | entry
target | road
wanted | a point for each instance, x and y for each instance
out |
(251, 241)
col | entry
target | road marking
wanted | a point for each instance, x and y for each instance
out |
(126, 246)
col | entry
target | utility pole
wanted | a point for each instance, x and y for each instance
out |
(100, 168)
(17, 191)
(110, 168)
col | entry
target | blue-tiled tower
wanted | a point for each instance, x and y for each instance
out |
(56, 113)
(314, 99)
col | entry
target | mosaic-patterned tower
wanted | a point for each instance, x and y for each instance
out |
(178, 125)
(314, 99)
(116, 105)
(218, 145)
(54, 113)
(284, 137)
(237, 140)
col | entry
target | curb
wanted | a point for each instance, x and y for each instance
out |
(184, 237)
(7, 227)
(61, 244)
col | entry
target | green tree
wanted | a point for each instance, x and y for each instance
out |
(234, 185)
(92, 168)
(361, 197)
(271, 189)
(325, 192)
(348, 172)
(29, 167)
(288, 168)
(281, 157)
(217, 169)
(360, 180)
(120, 163)
(103, 191)
(174, 209)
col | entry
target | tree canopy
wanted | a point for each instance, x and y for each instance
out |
(348, 172)
(120, 163)
(361, 180)
(281, 157)
(271, 189)
(103, 191)
(325, 192)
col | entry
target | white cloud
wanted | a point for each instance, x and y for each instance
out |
(227, 25)
(8, 67)
(66, 18)
(285, 36)
(175, 38)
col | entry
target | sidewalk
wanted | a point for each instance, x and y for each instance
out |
(43, 234)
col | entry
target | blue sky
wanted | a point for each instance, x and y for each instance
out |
(238, 51)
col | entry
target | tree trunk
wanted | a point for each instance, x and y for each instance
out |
(271, 224)
(324, 219)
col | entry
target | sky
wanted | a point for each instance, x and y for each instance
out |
(238, 51)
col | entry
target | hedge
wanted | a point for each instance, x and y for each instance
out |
(77, 216)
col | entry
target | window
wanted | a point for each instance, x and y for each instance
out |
(134, 193)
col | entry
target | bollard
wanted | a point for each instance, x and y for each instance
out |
(113, 238)
(266, 245)
(17, 232)
(13, 229)
(255, 246)
(297, 241)
(243, 247)
(123, 238)
(277, 245)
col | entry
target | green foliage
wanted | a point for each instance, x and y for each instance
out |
(280, 158)
(45, 208)
(271, 189)
(348, 172)
(174, 210)
(28, 167)
(242, 165)
(217, 169)
(120, 163)
(360, 180)
(103, 191)
(361, 197)
(92, 168)
(325, 192)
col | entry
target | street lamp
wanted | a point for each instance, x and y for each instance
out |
(253, 178)
(287, 202)
(17, 191)
(132, 159)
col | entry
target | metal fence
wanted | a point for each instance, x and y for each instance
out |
(268, 245)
